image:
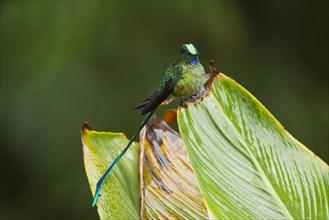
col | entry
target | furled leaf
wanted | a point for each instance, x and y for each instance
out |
(120, 198)
(170, 190)
(247, 165)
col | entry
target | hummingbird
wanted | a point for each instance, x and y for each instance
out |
(184, 78)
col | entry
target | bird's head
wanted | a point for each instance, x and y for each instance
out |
(189, 53)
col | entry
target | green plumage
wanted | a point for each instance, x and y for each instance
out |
(189, 77)
(184, 78)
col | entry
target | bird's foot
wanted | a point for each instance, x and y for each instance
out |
(193, 97)
(183, 103)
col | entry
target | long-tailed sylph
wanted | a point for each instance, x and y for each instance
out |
(183, 78)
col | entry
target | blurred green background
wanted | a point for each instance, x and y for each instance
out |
(66, 62)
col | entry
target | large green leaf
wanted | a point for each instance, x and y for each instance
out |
(246, 164)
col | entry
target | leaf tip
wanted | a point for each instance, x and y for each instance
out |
(85, 127)
(212, 76)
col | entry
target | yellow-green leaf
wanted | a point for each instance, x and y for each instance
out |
(120, 198)
(247, 165)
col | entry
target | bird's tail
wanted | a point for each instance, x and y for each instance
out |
(105, 175)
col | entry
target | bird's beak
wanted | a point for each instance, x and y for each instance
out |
(199, 53)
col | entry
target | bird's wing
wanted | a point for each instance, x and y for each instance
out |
(153, 100)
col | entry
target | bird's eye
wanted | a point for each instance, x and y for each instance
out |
(186, 53)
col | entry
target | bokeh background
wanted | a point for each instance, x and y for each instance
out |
(66, 62)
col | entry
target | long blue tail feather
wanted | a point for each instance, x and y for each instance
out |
(105, 175)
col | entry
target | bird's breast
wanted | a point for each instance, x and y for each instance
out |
(191, 81)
